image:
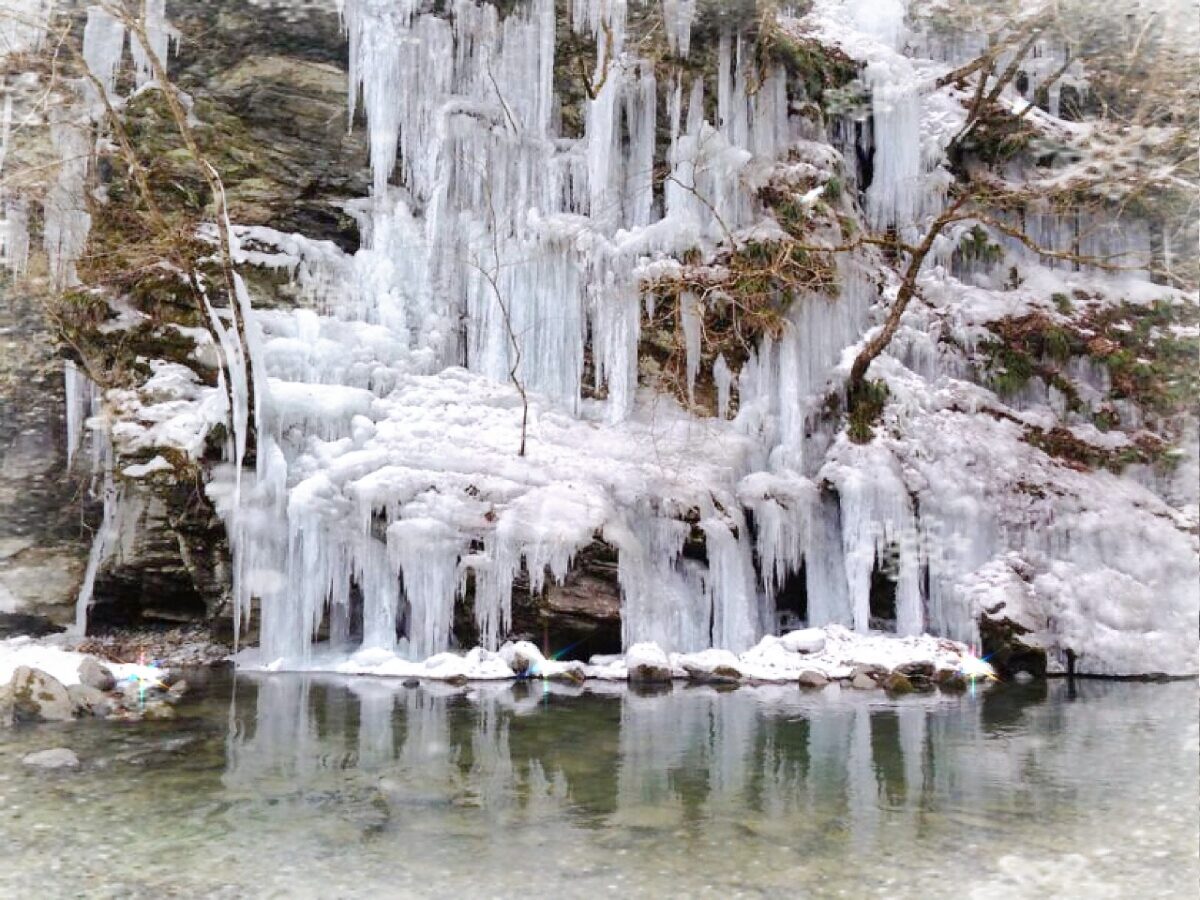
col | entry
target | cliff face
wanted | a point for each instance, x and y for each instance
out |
(270, 85)
(564, 310)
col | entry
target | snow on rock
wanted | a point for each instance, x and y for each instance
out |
(49, 655)
(805, 640)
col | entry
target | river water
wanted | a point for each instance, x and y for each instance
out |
(295, 787)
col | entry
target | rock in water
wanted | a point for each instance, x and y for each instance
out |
(87, 700)
(58, 758)
(806, 640)
(898, 683)
(862, 681)
(176, 691)
(812, 679)
(647, 664)
(95, 675)
(38, 697)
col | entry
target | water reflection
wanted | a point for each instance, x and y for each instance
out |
(778, 762)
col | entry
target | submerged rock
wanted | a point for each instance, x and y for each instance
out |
(38, 697)
(57, 758)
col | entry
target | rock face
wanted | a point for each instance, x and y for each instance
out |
(38, 697)
(57, 758)
(43, 547)
(273, 82)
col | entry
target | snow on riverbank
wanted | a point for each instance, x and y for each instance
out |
(51, 656)
(832, 652)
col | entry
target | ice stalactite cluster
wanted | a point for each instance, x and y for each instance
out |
(374, 475)
(494, 240)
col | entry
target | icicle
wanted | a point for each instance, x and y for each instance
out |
(103, 44)
(723, 379)
(692, 323)
(678, 16)
(161, 37)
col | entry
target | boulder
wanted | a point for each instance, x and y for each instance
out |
(922, 669)
(647, 664)
(572, 674)
(176, 691)
(861, 679)
(88, 701)
(95, 675)
(806, 640)
(812, 679)
(950, 680)
(898, 683)
(57, 758)
(38, 697)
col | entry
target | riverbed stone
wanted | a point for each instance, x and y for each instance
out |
(39, 697)
(6, 706)
(177, 690)
(95, 675)
(56, 758)
(159, 709)
(88, 701)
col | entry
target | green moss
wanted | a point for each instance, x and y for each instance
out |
(866, 404)
(1062, 303)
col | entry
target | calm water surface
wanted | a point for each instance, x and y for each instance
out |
(296, 787)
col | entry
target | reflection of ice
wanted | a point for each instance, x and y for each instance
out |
(446, 762)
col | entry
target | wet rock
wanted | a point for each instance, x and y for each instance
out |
(158, 709)
(647, 664)
(38, 697)
(457, 680)
(915, 669)
(950, 680)
(811, 679)
(88, 701)
(712, 675)
(1023, 677)
(176, 691)
(861, 679)
(411, 682)
(806, 640)
(57, 758)
(573, 674)
(6, 706)
(1005, 648)
(897, 683)
(95, 675)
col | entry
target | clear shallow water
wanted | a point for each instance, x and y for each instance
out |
(294, 787)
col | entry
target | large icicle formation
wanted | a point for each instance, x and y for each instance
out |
(496, 243)
(497, 302)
